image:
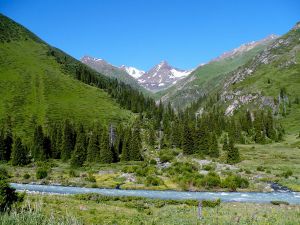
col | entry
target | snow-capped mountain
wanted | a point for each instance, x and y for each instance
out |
(162, 76)
(132, 71)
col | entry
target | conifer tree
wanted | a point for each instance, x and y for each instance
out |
(225, 144)
(187, 142)
(126, 145)
(37, 150)
(106, 154)
(270, 131)
(214, 148)
(233, 155)
(93, 149)
(79, 153)
(67, 141)
(135, 144)
(8, 139)
(2, 146)
(19, 153)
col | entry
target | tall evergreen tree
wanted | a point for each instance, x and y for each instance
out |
(233, 155)
(225, 144)
(67, 141)
(214, 148)
(187, 143)
(106, 154)
(2, 146)
(37, 150)
(19, 153)
(126, 145)
(79, 153)
(136, 144)
(93, 150)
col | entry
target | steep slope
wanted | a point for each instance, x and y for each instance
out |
(162, 76)
(34, 86)
(121, 74)
(270, 79)
(208, 77)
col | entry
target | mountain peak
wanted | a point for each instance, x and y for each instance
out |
(246, 47)
(297, 26)
(88, 58)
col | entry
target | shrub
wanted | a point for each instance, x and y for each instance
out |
(8, 196)
(279, 203)
(211, 203)
(287, 173)
(166, 158)
(260, 168)
(209, 167)
(91, 178)
(72, 173)
(41, 173)
(3, 173)
(153, 180)
(212, 179)
(152, 162)
(26, 176)
(235, 181)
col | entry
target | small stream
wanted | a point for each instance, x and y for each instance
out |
(255, 197)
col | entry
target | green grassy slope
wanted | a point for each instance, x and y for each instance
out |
(34, 86)
(281, 73)
(205, 79)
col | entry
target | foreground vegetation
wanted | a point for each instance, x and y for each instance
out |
(94, 209)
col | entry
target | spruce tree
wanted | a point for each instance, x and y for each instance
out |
(126, 145)
(106, 154)
(2, 146)
(225, 144)
(187, 143)
(135, 144)
(8, 140)
(270, 131)
(37, 150)
(67, 141)
(79, 153)
(19, 153)
(233, 155)
(214, 148)
(93, 150)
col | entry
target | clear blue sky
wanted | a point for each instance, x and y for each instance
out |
(141, 33)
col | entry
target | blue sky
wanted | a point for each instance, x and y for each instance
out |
(141, 33)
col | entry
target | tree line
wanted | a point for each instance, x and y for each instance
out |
(73, 143)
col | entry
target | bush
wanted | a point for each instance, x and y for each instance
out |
(212, 179)
(91, 178)
(279, 203)
(209, 167)
(152, 162)
(166, 158)
(211, 203)
(3, 173)
(260, 168)
(72, 173)
(287, 173)
(235, 181)
(8, 196)
(153, 181)
(41, 173)
(26, 176)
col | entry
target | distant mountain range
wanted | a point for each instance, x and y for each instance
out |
(163, 76)
(158, 78)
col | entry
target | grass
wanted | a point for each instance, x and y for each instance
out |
(275, 159)
(34, 86)
(59, 209)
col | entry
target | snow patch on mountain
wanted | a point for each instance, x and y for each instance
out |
(132, 71)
